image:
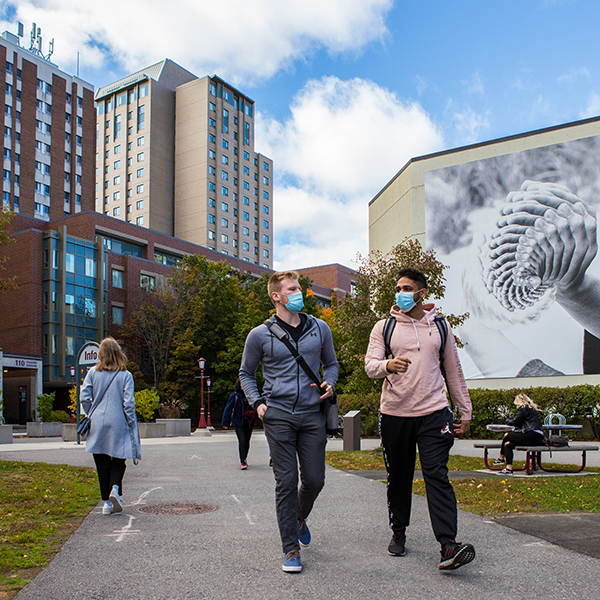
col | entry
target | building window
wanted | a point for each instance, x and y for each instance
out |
(265, 209)
(117, 149)
(211, 186)
(141, 117)
(139, 204)
(140, 172)
(117, 196)
(224, 175)
(265, 180)
(212, 107)
(224, 159)
(139, 220)
(140, 188)
(225, 144)
(140, 141)
(211, 218)
(117, 315)
(246, 171)
(246, 216)
(213, 89)
(211, 170)
(224, 191)
(246, 201)
(211, 154)
(117, 180)
(212, 122)
(117, 278)
(246, 246)
(116, 211)
(211, 235)
(224, 238)
(140, 157)
(147, 282)
(211, 138)
(224, 223)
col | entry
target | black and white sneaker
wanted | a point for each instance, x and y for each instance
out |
(499, 461)
(456, 555)
(396, 547)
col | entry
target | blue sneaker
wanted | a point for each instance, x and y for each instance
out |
(304, 536)
(291, 562)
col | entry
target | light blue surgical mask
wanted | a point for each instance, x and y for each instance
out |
(406, 301)
(295, 302)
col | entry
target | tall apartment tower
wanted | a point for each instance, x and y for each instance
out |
(176, 155)
(49, 124)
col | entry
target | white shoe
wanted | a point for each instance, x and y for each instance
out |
(115, 499)
(107, 508)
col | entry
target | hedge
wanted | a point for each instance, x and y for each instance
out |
(579, 404)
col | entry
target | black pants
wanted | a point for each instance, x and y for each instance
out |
(244, 434)
(295, 439)
(110, 472)
(517, 438)
(434, 435)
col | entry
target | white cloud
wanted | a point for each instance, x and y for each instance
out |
(592, 108)
(469, 125)
(342, 143)
(242, 40)
(573, 74)
(474, 85)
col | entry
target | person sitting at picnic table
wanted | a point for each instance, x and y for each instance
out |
(528, 431)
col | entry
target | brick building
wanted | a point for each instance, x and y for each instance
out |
(49, 148)
(80, 278)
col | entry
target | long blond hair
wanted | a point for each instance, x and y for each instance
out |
(110, 356)
(524, 400)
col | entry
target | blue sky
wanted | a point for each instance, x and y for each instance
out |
(347, 90)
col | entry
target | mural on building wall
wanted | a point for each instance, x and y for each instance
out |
(518, 233)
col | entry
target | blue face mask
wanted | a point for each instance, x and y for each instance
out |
(406, 301)
(295, 302)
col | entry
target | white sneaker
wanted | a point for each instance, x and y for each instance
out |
(107, 508)
(115, 499)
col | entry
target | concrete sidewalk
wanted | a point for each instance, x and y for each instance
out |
(235, 552)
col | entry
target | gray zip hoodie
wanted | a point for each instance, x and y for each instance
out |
(287, 386)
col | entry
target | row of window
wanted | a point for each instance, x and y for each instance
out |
(117, 148)
(219, 91)
(122, 98)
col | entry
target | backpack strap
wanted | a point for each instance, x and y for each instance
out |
(388, 329)
(283, 337)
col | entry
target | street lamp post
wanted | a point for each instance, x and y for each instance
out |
(208, 421)
(72, 371)
(201, 365)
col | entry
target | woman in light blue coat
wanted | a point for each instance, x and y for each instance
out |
(113, 436)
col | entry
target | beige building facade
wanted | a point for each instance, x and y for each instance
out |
(176, 155)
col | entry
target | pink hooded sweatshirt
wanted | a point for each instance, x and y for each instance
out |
(420, 391)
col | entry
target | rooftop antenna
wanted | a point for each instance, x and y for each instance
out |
(20, 29)
(51, 48)
(32, 39)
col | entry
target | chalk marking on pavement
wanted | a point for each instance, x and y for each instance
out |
(198, 457)
(251, 519)
(126, 530)
(140, 500)
(543, 544)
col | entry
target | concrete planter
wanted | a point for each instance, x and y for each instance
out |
(152, 430)
(69, 432)
(44, 429)
(6, 434)
(177, 427)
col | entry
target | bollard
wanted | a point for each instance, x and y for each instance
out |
(352, 431)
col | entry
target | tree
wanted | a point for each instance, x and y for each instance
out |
(6, 217)
(354, 317)
(153, 328)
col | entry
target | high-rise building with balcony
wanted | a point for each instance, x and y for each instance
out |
(176, 155)
(49, 124)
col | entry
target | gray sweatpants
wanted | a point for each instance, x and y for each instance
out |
(295, 439)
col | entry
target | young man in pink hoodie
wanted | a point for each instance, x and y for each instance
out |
(414, 412)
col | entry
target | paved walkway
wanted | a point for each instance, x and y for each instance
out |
(234, 552)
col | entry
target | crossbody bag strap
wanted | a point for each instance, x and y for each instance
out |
(96, 402)
(283, 337)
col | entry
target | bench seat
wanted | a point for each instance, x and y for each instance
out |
(533, 456)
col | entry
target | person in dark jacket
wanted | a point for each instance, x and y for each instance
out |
(239, 413)
(528, 431)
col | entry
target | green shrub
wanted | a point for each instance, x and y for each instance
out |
(59, 416)
(45, 403)
(368, 404)
(578, 404)
(146, 403)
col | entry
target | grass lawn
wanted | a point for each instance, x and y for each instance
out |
(40, 506)
(495, 496)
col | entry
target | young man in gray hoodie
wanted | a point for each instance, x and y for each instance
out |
(290, 407)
